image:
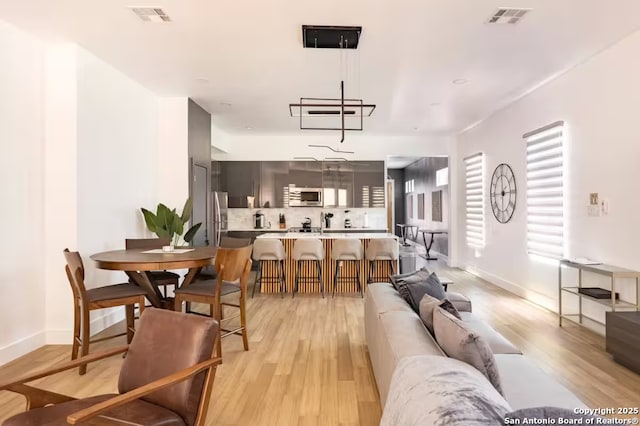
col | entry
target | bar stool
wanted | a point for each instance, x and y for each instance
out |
(269, 250)
(381, 250)
(308, 250)
(346, 250)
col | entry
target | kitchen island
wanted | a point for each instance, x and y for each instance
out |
(288, 239)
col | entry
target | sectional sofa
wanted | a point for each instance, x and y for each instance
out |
(398, 340)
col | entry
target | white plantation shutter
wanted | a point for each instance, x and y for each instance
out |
(545, 191)
(474, 192)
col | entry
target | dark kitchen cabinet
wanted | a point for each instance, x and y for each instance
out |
(241, 180)
(305, 174)
(337, 181)
(215, 176)
(369, 184)
(274, 184)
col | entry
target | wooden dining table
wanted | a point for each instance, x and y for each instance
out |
(136, 263)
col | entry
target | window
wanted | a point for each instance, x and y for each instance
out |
(442, 177)
(474, 192)
(408, 186)
(545, 191)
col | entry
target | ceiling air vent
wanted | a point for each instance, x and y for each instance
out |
(508, 16)
(151, 14)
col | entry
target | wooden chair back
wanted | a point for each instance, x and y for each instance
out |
(75, 273)
(146, 243)
(233, 265)
(232, 242)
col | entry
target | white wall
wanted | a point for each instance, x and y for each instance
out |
(21, 192)
(599, 102)
(60, 183)
(173, 151)
(117, 134)
(276, 147)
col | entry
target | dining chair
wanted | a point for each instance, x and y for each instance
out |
(159, 278)
(174, 389)
(233, 266)
(209, 272)
(85, 301)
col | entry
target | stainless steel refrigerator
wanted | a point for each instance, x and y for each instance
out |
(220, 208)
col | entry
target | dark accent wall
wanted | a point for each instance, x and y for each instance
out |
(398, 197)
(199, 136)
(423, 173)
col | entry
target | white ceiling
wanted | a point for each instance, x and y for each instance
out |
(249, 53)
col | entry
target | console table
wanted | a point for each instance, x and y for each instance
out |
(613, 272)
(623, 338)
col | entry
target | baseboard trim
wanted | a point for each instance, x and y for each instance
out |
(539, 299)
(30, 343)
(104, 321)
(20, 347)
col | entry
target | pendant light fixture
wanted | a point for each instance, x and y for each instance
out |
(311, 111)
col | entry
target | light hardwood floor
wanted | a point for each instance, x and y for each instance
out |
(308, 362)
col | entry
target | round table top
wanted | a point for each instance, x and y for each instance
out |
(136, 260)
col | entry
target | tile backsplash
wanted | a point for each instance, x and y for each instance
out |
(243, 219)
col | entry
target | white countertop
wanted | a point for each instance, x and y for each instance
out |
(258, 230)
(334, 230)
(332, 235)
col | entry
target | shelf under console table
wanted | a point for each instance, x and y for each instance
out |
(615, 304)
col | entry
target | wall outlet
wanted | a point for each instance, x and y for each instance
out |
(594, 210)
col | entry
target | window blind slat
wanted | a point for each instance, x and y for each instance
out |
(545, 191)
(474, 192)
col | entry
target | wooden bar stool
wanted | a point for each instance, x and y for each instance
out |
(381, 250)
(308, 251)
(269, 250)
(84, 301)
(345, 251)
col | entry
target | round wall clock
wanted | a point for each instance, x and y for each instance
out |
(503, 193)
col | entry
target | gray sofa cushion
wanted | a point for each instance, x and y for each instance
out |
(498, 343)
(525, 385)
(402, 335)
(460, 301)
(385, 298)
(428, 390)
(461, 343)
(411, 277)
(428, 304)
(412, 292)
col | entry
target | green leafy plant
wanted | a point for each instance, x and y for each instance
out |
(167, 223)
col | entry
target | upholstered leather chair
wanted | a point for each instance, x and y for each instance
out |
(165, 379)
(85, 301)
(159, 278)
(233, 266)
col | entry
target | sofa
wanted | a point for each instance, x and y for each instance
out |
(397, 339)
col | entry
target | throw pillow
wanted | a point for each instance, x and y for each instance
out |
(428, 304)
(459, 342)
(415, 276)
(535, 413)
(412, 292)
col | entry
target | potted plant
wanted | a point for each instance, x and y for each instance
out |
(167, 223)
